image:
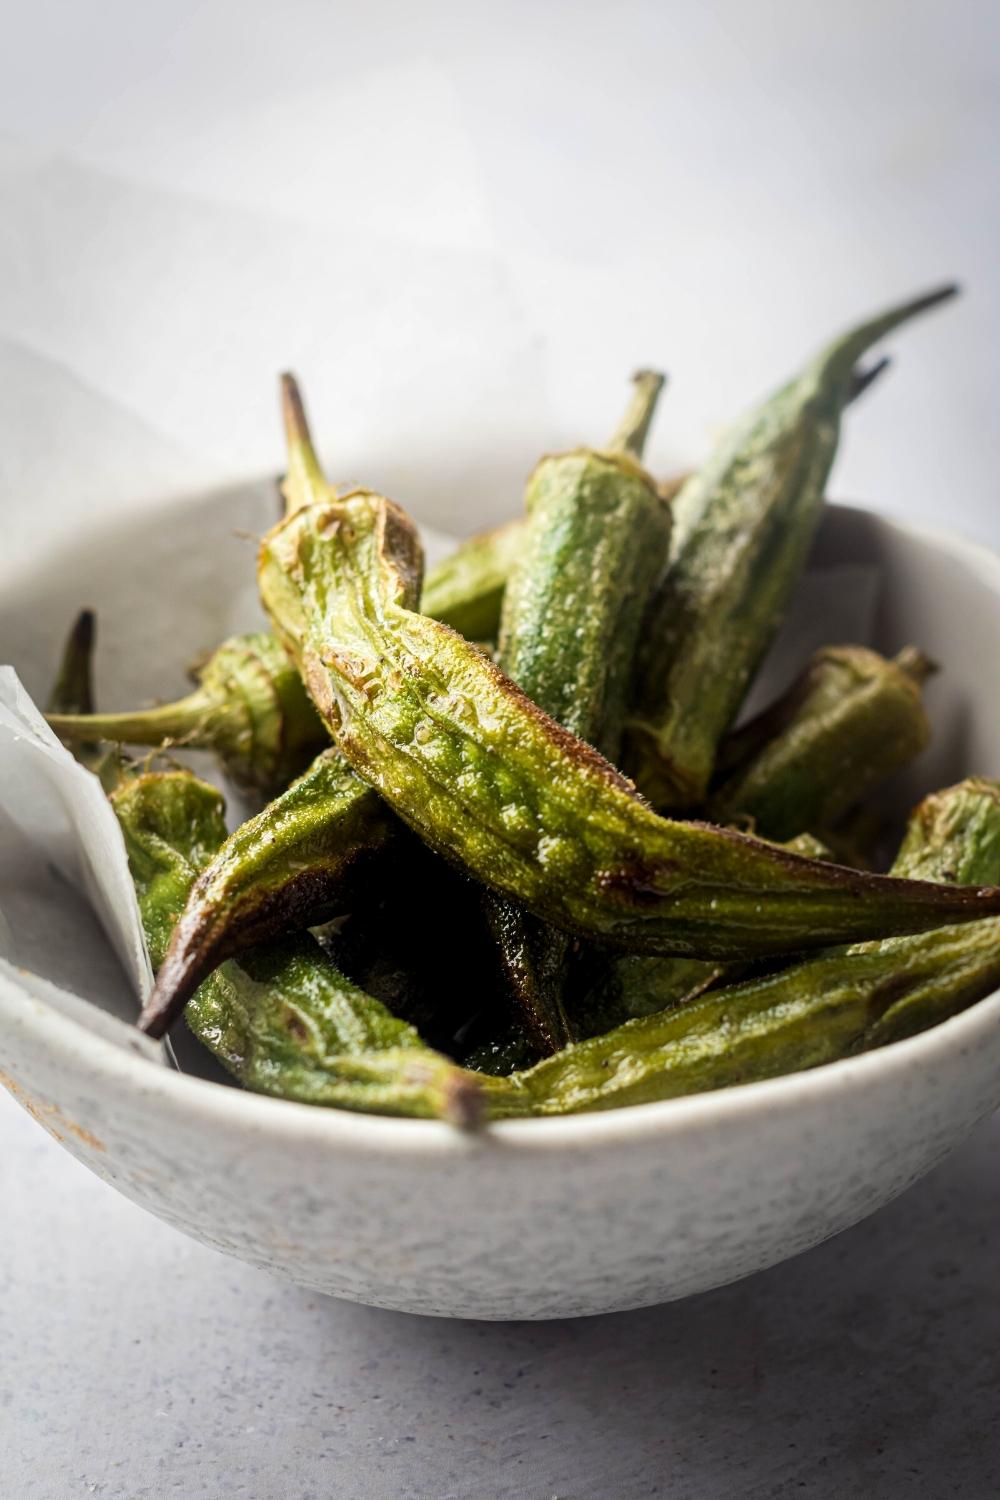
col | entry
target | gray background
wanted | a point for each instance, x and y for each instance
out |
(716, 185)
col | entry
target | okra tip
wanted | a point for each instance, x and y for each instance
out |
(73, 689)
(190, 957)
(293, 409)
(862, 379)
(81, 636)
(836, 364)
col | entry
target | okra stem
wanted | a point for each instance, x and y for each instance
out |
(179, 721)
(304, 473)
(633, 429)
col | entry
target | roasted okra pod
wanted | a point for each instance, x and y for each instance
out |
(291, 866)
(742, 528)
(593, 549)
(283, 1020)
(824, 1008)
(249, 707)
(851, 719)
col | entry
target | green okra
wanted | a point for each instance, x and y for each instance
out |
(815, 1012)
(283, 1020)
(592, 551)
(827, 1007)
(249, 707)
(850, 720)
(954, 835)
(466, 589)
(611, 988)
(296, 862)
(498, 787)
(743, 525)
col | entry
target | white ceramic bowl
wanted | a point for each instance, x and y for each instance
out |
(551, 1218)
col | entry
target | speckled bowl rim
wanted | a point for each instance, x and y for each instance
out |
(80, 1049)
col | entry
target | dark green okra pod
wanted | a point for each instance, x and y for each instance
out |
(283, 1020)
(827, 1007)
(497, 786)
(850, 720)
(249, 707)
(296, 862)
(591, 553)
(742, 529)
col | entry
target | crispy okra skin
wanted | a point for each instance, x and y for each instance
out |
(610, 988)
(466, 589)
(743, 525)
(497, 786)
(592, 550)
(829, 1006)
(287, 868)
(249, 707)
(850, 720)
(283, 1020)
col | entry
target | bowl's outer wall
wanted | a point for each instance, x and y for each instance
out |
(556, 1218)
(525, 1221)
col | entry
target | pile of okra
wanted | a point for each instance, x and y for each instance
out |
(518, 851)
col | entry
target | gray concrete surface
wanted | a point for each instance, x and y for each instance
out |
(135, 1363)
